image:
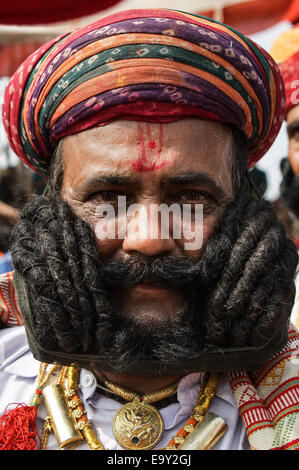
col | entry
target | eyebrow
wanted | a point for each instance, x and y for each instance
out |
(92, 184)
(292, 127)
(202, 178)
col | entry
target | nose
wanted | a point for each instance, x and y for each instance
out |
(144, 234)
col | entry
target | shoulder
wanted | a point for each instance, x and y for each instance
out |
(268, 399)
(18, 368)
(295, 310)
(281, 369)
(13, 346)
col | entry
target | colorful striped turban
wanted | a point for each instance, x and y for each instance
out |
(150, 65)
(285, 51)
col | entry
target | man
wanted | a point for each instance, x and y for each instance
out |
(147, 110)
(285, 51)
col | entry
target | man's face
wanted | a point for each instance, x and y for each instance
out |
(184, 162)
(293, 133)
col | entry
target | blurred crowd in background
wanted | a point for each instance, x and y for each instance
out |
(17, 184)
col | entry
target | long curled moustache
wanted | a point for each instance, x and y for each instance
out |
(246, 271)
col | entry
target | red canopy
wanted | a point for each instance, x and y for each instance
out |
(257, 15)
(32, 12)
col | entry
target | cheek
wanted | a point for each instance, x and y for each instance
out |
(294, 156)
(194, 246)
(106, 236)
(106, 245)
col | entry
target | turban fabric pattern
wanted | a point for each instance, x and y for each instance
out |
(290, 72)
(150, 65)
(285, 51)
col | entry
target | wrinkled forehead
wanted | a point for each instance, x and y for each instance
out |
(149, 150)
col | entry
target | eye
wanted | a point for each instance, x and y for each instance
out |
(189, 196)
(293, 131)
(295, 135)
(105, 196)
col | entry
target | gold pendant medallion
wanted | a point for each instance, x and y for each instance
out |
(138, 426)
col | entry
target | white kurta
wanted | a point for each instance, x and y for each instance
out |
(18, 374)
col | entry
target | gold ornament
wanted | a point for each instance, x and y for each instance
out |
(138, 426)
(202, 430)
(205, 434)
(62, 421)
(139, 420)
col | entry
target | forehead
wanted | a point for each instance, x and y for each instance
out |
(293, 114)
(149, 151)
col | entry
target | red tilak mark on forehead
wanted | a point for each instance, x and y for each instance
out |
(150, 150)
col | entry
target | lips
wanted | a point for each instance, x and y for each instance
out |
(148, 290)
(149, 286)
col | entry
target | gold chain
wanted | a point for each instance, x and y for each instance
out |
(150, 397)
(46, 432)
(207, 392)
(44, 376)
(42, 379)
(78, 411)
(71, 374)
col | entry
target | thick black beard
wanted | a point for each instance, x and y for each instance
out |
(239, 293)
(128, 342)
(289, 188)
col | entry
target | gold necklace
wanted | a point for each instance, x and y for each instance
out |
(137, 425)
(79, 428)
